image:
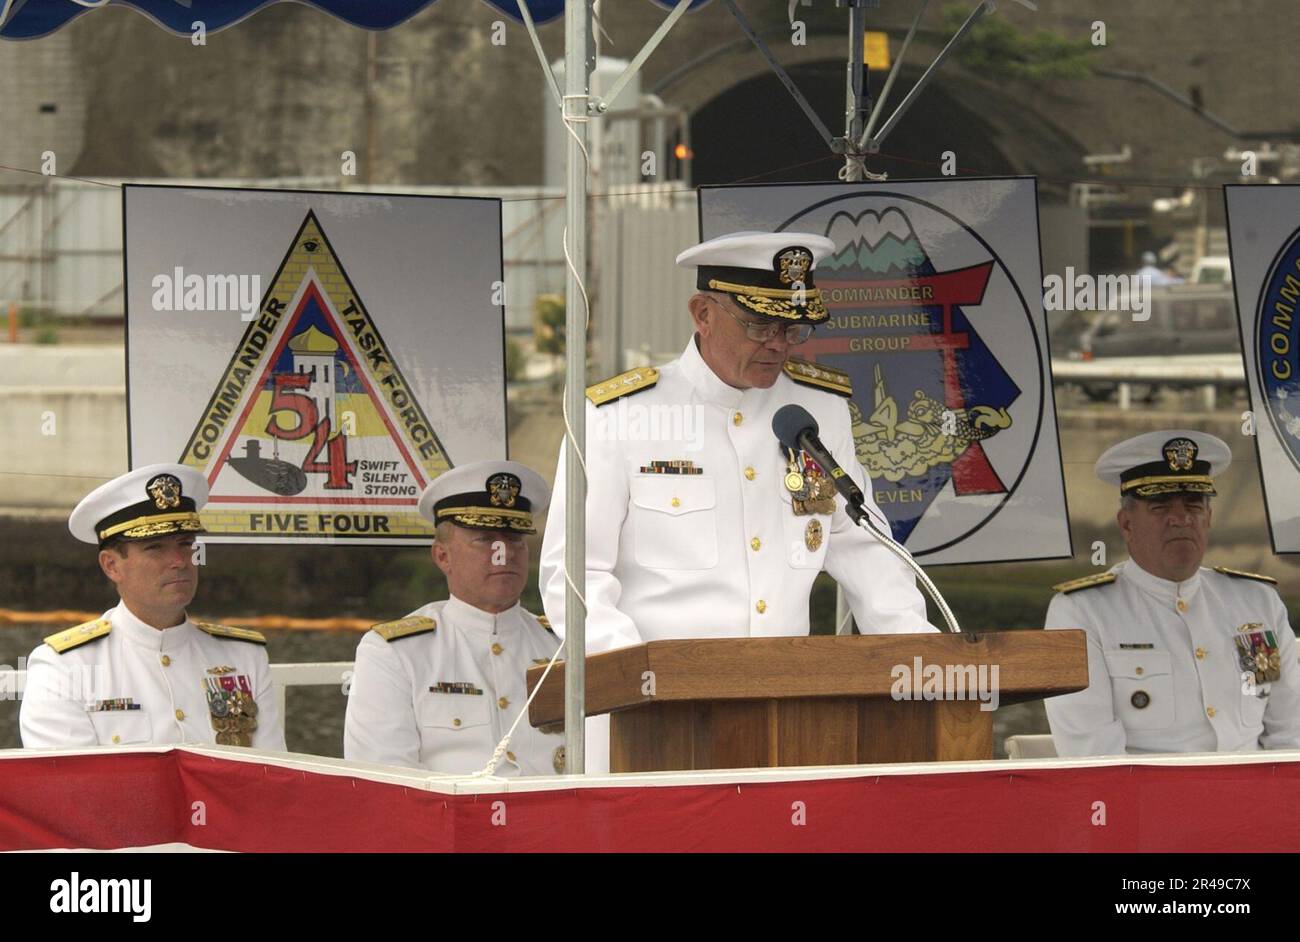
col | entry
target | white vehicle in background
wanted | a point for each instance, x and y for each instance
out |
(1212, 270)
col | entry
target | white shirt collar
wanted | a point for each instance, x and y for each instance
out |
(706, 383)
(155, 639)
(1167, 592)
(464, 615)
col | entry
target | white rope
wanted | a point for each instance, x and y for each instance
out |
(499, 752)
(858, 161)
(503, 746)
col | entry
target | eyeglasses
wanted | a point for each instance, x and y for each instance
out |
(764, 332)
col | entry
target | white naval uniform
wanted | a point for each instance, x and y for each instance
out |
(1195, 695)
(68, 699)
(719, 554)
(394, 718)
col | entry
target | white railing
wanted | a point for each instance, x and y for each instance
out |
(1210, 372)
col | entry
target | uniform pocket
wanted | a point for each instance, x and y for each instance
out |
(674, 521)
(1142, 683)
(1253, 707)
(454, 711)
(121, 727)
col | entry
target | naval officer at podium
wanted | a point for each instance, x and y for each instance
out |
(699, 523)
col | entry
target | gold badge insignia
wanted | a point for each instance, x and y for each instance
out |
(165, 490)
(557, 761)
(503, 489)
(222, 669)
(812, 535)
(811, 491)
(793, 265)
(1180, 453)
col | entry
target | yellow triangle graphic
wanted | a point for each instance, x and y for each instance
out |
(336, 445)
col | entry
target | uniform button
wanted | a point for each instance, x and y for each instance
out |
(749, 474)
(456, 721)
(503, 702)
(166, 661)
(1138, 671)
(755, 544)
(737, 419)
(117, 739)
(1200, 654)
(761, 606)
(180, 714)
(1182, 606)
(496, 648)
(675, 502)
(1210, 711)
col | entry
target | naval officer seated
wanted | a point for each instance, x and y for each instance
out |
(1181, 658)
(441, 687)
(145, 673)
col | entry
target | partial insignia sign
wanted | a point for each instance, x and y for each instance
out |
(935, 298)
(1264, 240)
(352, 356)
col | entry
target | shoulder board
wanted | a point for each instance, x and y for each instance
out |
(544, 622)
(1240, 574)
(235, 634)
(624, 384)
(820, 377)
(1087, 582)
(407, 627)
(70, 638)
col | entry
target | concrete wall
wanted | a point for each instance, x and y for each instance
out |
(285, 92)
(59, 444)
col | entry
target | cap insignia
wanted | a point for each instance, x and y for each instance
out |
(1180, 453)
(792, 264)
(165, 490)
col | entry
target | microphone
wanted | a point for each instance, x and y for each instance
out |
(796, 429)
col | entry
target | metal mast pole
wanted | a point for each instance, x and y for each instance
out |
(855, 90)
(577, 67)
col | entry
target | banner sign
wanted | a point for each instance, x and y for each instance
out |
(1264, 239)
(318, 357)
(935, 296)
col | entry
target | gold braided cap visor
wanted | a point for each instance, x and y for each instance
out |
(142, 528)
(1158, 485)
(478, 518)
(776, 302)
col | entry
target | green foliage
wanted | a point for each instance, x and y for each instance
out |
(549, 323)
(47, 335)
(514, 360)
(994, 48)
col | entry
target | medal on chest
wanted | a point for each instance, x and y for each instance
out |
(232, 709)
(1258, 653)
(811, 491)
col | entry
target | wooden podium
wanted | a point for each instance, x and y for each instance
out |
(729, 703)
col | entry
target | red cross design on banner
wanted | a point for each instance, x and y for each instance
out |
(943, 291)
